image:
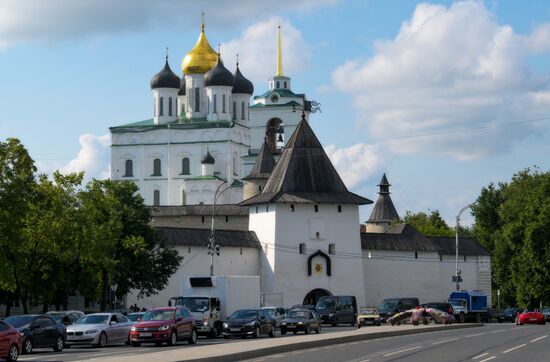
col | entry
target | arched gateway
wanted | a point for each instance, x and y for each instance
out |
(313, 296)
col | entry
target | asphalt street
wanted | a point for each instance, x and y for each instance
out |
(89, 353)
(493, 342)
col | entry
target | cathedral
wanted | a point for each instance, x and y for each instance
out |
(213, 155)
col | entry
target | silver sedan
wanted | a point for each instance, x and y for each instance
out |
(99, 329)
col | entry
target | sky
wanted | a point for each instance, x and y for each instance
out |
(444, 97)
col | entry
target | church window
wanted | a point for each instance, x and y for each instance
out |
(285, 84)
(226, 218)
(129, 169)
(156, 198)
(302, 248)
(242, 110)
(223, 103)
(202, 219)
(182, 108)
(156, 167)
(332, 248)
(161, 106)
(183, 197)
(155, 107)
(317, 235)
(278, 84)
(440, 257)
(291, 208)
(316, 207)
(416, 254)
(464, 257)
(260, 188)
(234, 110)
(241, 251)
(185, 166)
(197, 100)
(170, 106)
(256, 209)
(267, 208)
(339, 208)
(215, 106)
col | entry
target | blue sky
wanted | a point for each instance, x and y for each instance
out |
(437, 94)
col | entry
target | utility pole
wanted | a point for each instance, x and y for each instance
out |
(213, 248)
(457, 271)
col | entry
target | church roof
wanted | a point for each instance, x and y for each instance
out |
(182, 90)
(165, 78)
(199, 210)
(199, 237)
(304, 174)
(241, 84)
(265, 162)
(219, 75)
(384, 210)
(466, 246)
(280, 92)
(208, 159)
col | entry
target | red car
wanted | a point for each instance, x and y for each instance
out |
(11, 342)
(166, 324)
(530, 317)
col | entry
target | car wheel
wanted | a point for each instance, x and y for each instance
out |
(256, 333)
(461, 318)
(136, 344)
(13, 353)
(158, 344)
(336, 322)
(173, 339)
(295, 331)
(283, 331)
(214, 333)
(359, 325)
(193, 338)
(307, 329)
(102, 341)
(59, 344)
(318, 330)
(478, 318)
(272, 332)
(27, 346)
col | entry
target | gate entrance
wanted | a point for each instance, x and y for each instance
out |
(313, 296)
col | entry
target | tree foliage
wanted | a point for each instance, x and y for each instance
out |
(429, 225)
(57, 238)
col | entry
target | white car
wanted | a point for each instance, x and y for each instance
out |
(100, 329)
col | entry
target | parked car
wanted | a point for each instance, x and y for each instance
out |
(443, 307)
(303, 306)
(249, 322)
(135, 317)
(301, 321)
(509, 314)
(337, 309)
(368, 315)
(11, 342)
(392, 306)
(165, 324)
(530, 317)
(100, 330)
(39, 331)
(546, 312)
(277, 313)
(67, 317)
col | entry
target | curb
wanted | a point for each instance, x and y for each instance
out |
(323, 342)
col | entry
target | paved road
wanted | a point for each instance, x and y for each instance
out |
(493, 342)
(83, 353)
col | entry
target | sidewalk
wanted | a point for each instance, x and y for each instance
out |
(267, 346)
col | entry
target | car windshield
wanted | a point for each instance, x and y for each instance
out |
(326, 304)
(510, 310)
(297, 314)
(18, 321)
(368, 311)
(134, 317)
(244, 314)
(94, 319)
(270, 311)
(387, 305)
(158, 315)
(455, 302)
(199, 305)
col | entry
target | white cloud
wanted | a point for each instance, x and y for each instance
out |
(54, 20)
(355, 163)
(93, 157)
(257, 49)
(450, 68)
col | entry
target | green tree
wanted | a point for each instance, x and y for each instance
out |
(429, 225)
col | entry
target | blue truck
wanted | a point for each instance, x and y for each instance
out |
(469, 305)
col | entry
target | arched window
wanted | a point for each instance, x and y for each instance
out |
(183, 197)
(129, 168)
(235, 166)
(285, 84)
(197, 100)
(156, 167)
(161, 106)
(223, 103)
(332, 248)
(215, 106)
(302, 248)
(278, 84)
(234, 110)
(185, 166)
(242, 110)
(170, 106)
(156, 198)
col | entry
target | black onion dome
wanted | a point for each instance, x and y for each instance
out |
(182, 90)
(165, 78)
(241, 84)
(208, 159)
(219, 75)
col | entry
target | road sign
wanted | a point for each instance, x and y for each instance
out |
(459, 279)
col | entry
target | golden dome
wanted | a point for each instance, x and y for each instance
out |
(201, 58)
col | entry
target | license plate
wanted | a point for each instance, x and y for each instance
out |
(235, 329)
(146, 334)
(533, 319)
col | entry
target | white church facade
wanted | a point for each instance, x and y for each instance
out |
(286, 214)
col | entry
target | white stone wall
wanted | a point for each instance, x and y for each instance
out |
(289, 268)
(196, 262)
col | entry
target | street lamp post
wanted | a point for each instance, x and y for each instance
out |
(457, 271)
(113, 292)
(212, 247)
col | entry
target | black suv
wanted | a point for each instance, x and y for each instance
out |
(392, 306)
(337, 309)
(249, 322)
(509, 314)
